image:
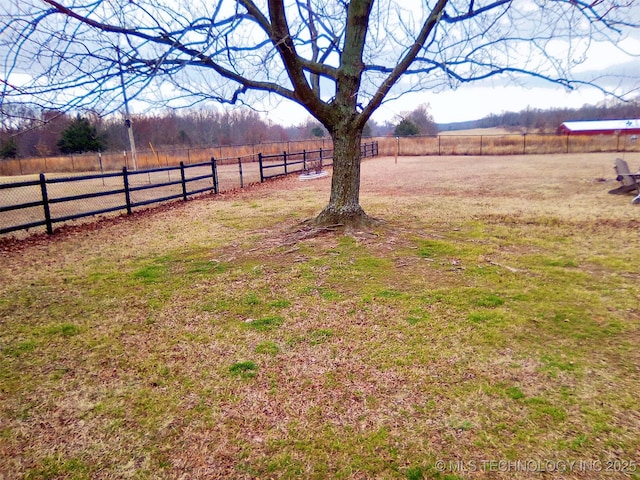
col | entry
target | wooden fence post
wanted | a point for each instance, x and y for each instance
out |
(127, 193)
(183, 180)
(260, 164)
(214, 172)
(45, 204)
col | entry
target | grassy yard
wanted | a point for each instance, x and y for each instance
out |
(488, 329)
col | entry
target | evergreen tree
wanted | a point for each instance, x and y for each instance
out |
(80, 136)
(9, 149)
(406, 128)
(317, 131)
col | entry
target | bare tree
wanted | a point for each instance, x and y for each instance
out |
(423, 119)
(338, 59)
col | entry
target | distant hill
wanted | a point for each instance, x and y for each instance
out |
(537, 120)
(454, 126)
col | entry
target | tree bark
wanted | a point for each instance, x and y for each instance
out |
(344, 203)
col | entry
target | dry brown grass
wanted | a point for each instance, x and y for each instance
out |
(480, 143)
(493, 318)
(487, 141)
(147, 158)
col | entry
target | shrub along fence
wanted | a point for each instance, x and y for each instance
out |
(48, 200)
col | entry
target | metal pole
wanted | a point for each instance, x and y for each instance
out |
(397, 148)
(101, 168)
(127, 119)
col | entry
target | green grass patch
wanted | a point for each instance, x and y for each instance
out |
(489, 301)
(320, 336)
(265, 323)
(244, 369)
(268, 348)
(65, 330)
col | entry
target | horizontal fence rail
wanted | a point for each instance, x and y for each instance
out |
(49, 200)
(61, 199)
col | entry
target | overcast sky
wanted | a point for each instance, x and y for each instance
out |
(476, 101)
(466, 103)
(616, 69)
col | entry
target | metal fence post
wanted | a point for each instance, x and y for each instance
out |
(284, 156)
(184, 183)
(260, 164)
(45, 204)
(304, 160)
(127, 193)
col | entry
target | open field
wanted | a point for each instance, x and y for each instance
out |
(488, 329)
(478, 131)
(147, 159)
(481, 141)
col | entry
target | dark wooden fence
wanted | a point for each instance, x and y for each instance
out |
(272, 166)
(50, 200)
(55, 199)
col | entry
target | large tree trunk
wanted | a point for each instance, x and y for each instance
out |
(345, 125)
(344, 203)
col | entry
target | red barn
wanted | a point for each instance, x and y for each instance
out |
(601, 127)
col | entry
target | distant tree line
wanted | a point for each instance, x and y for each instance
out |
(25, 132)
(548, 121)
(28, 133)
